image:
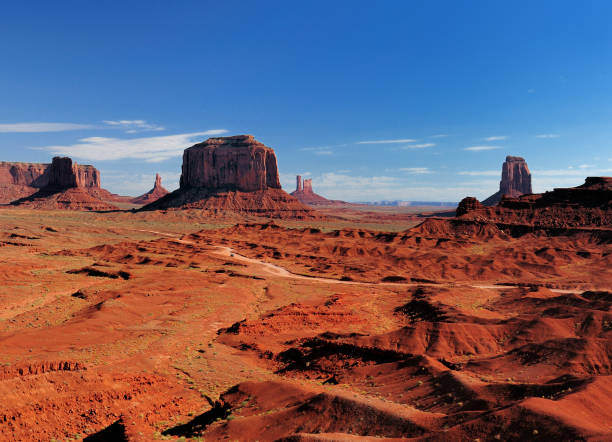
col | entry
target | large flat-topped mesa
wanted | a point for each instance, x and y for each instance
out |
(232, 176)
(230, 163)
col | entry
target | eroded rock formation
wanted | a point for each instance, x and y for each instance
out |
(303, 192)
(230, 163)
(154, 194)
(64, 184)
(468, 204)
(20, 180)
(515, 180)
(65, 174)
(232, 175)
(588, 205)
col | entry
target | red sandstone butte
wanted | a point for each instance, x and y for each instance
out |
(237, 175)
(515, 180)
(304, 193)
(68, 186)
(154, 194)
(230, 163)
(20, 180)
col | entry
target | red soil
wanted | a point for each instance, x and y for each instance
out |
(129, 327)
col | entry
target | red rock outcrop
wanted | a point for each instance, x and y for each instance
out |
(68, 186)
(232, 175)
(515, 181)
(588, 205)
(468, 204)
(230, 163)
(20, 180)
(304, 193)
(65, 174)
(154, 194)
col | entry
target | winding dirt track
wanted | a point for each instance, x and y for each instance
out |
(274, 270)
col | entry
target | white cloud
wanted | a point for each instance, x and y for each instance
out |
(480, 173)
(41, 127)
(150, 149)
(496, 138)
(481, 148)
(419, 146)
(548, 136)
(582, 171)
(323, 152)
(439, 136)
(416, 170)
(133, 126)
(405, 140)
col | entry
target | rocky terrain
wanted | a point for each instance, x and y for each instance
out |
(304, 193)
(152, 195)
(236, 175)
(588, 205)
(515, 180)
(228, 309)
(20, 180)
(68, 185)
(139, 326)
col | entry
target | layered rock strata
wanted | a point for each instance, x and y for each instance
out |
(588, 205)
(515, 180)
(232, 175)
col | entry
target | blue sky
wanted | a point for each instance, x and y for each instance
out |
(413, 100)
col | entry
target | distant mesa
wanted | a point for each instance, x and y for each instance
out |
(236, 174)
(152, 195)
(304, 193)
(63, 184)
(587, 205)
(20, 180)
(515, 180)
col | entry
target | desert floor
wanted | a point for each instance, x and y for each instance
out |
(144, 326)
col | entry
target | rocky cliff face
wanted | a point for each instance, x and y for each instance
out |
(232, 176)
(65, 174)
(230, 163)
(20, 180)
(588, 205)
(23, 174)
(468, 204)
(154, 194)
(515, 181)
(64, 184)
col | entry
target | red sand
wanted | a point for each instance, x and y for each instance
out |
(147, 326)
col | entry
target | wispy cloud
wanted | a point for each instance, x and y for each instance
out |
(133, 126)
(416, 170)
(150, 149)
(418, 146)
(322, 150)
(481, 148)
(548, 136)
(403, 140)
(480, 172)
(439, 136)
(496, 138)
(41, 127)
